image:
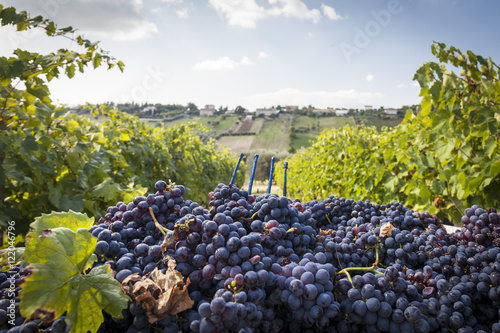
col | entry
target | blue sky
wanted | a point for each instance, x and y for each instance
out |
(259, 53)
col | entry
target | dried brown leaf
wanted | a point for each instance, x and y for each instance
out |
(161, 294)
(167, 241)
(386, 229)
(325, 232)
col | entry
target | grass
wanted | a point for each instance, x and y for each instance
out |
(223, 126)
(337, 122)
(238, 144)
(306, 122)
(316, 126)
(257, 125)
(369, 120)
(274, 135)
(303, 140)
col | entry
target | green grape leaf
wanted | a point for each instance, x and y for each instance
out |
(106, 189)
(495, 168)
(71, 220)
(10, 256)
(59, 284)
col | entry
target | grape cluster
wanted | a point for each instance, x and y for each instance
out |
(272, 264)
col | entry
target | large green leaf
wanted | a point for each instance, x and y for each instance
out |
(71, 220)
(59, 258)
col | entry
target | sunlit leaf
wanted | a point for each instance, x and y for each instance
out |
(59, 258)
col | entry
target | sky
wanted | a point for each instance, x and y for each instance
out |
(258, 53)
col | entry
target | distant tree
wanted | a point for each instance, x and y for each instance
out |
(239, 110)
(192, 109)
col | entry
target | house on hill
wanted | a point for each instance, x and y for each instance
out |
(208, 111)
(391, 111)
(266, 111)
(149, 109)
(341, 112)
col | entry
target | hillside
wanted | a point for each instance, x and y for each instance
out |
(278, 136)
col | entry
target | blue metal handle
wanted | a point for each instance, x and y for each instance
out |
(271, 175)
(235, 170)
(256, 157)
(285, 166)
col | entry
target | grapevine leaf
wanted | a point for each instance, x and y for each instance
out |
(495, 169)
(17, 253)
(59, 258)
(71, 220)
(106, 189)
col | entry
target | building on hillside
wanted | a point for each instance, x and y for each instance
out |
(149, 109)
(368, 107)
(266, 111)
(391, 111)
(230, 111)
(321, 112)
(291, 107)
(208, 111)
(341, 112)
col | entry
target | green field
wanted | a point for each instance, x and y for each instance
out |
(218, 124)
(308, 128)
(337, 122)
(369, 120)
(302, 140)
(274, 135)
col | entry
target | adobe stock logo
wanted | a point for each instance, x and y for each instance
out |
(151, 81)
(363, 37)
(48, 9)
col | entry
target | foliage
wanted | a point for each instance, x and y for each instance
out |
(61, 281)
(71, 220)
(54, 160)
(443, 159)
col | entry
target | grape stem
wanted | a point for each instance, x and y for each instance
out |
(366, 269)
(163, 230)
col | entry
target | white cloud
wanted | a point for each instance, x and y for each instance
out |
(310, 35)
(182, 13)
(400, 85)
(172, 1)
(320, 99)
(416, 84)
(245, 61)
(117, 20)
(246, 13)
(263, 55)
(294, 9)
(222, 64)
(369, 77)
(240, 13)
(330, 12)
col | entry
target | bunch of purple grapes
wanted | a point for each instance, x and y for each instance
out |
(272, 264)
